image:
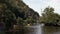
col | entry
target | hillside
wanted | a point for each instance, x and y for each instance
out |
(16, 12)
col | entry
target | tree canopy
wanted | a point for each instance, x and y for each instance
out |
(48, 16)
(16, 12)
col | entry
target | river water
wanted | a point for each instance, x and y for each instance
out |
(39, 29)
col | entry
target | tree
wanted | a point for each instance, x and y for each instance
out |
(20, 21)
(48, 16)
(15, 11)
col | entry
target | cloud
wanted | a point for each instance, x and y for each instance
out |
(37, 5)
(56, 5)
(52, 3)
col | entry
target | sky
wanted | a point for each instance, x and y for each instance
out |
(40, 5)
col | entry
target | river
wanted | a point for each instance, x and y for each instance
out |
(39, 29)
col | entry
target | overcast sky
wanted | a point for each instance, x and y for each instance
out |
(37, 5)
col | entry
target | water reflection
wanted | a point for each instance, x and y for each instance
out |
(50, 30)
(35, 29)
(38, 29)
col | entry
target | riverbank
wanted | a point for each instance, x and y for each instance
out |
(51, 24)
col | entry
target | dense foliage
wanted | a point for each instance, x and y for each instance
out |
(49, 17)
(16, 12)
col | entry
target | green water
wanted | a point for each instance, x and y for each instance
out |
(50, 30)
(43, 30)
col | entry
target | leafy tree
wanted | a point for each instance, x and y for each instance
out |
(15, 12)
(20, 21)
(48, 16)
